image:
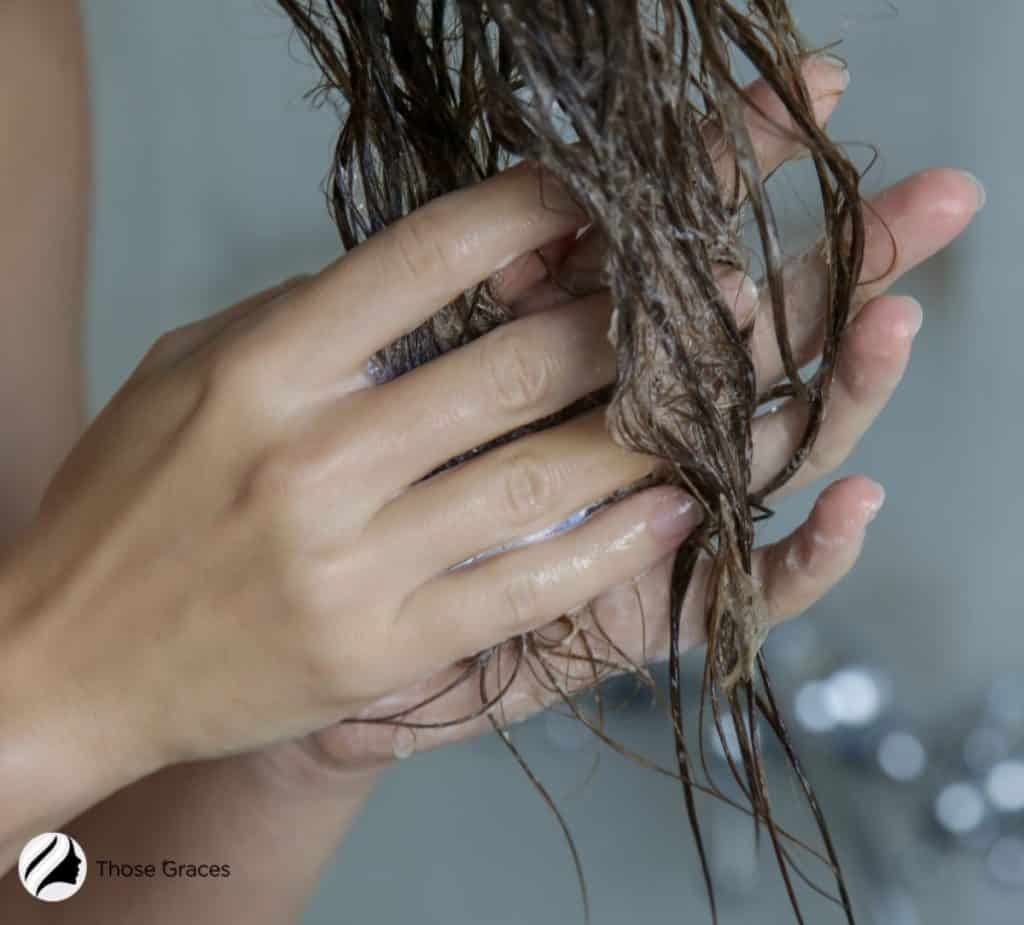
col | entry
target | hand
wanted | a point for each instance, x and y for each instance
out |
(232, 555)
(924, 213)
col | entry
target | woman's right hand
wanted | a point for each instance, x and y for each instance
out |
(233, 555)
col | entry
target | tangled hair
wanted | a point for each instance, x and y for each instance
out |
(633, 105)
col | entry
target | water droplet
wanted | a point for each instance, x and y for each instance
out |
(403, 743)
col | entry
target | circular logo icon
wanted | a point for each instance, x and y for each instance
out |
(52, 867)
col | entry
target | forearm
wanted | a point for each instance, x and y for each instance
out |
(44, 200)
(61, 751)
(269, 827)
(46, 772)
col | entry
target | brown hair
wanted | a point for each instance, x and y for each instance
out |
(621, 101)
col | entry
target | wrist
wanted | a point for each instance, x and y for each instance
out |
(300, 768)
(61, 749)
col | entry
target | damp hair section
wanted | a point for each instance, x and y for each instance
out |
(636, 111)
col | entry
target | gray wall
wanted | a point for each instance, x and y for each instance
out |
(208, 169)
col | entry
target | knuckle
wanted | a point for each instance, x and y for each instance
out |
(343, 660)
(282, 498)
(301, 584)
(522, 602)
(282, 476)
(164, 348)
(528, 485)
(170, 341)
(302, 592)
(236, 369)
(421, 249)
(520, 371)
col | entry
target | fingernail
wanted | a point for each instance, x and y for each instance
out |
(675, 516)
(839, 67)
(913, 324)
(873, 506)
(982, 195)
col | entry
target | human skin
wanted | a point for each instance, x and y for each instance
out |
(314, 785)
(44, 183)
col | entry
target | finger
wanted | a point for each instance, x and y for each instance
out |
(468, 610)
(580, 272)
(525, 273)
(625, 626)
(446, 708)
(799, 569)
(525, 285)
(792, 574)
(411, 269)
(515, 493)
(875, 354)
(580, 276)
(518, 373)
(775, 136)
(919, 215)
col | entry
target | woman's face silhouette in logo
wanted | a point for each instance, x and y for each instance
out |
(51, 866)
(65, 872)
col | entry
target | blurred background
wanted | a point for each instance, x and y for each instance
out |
(905, 686)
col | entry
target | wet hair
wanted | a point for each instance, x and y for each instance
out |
(632, 106)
